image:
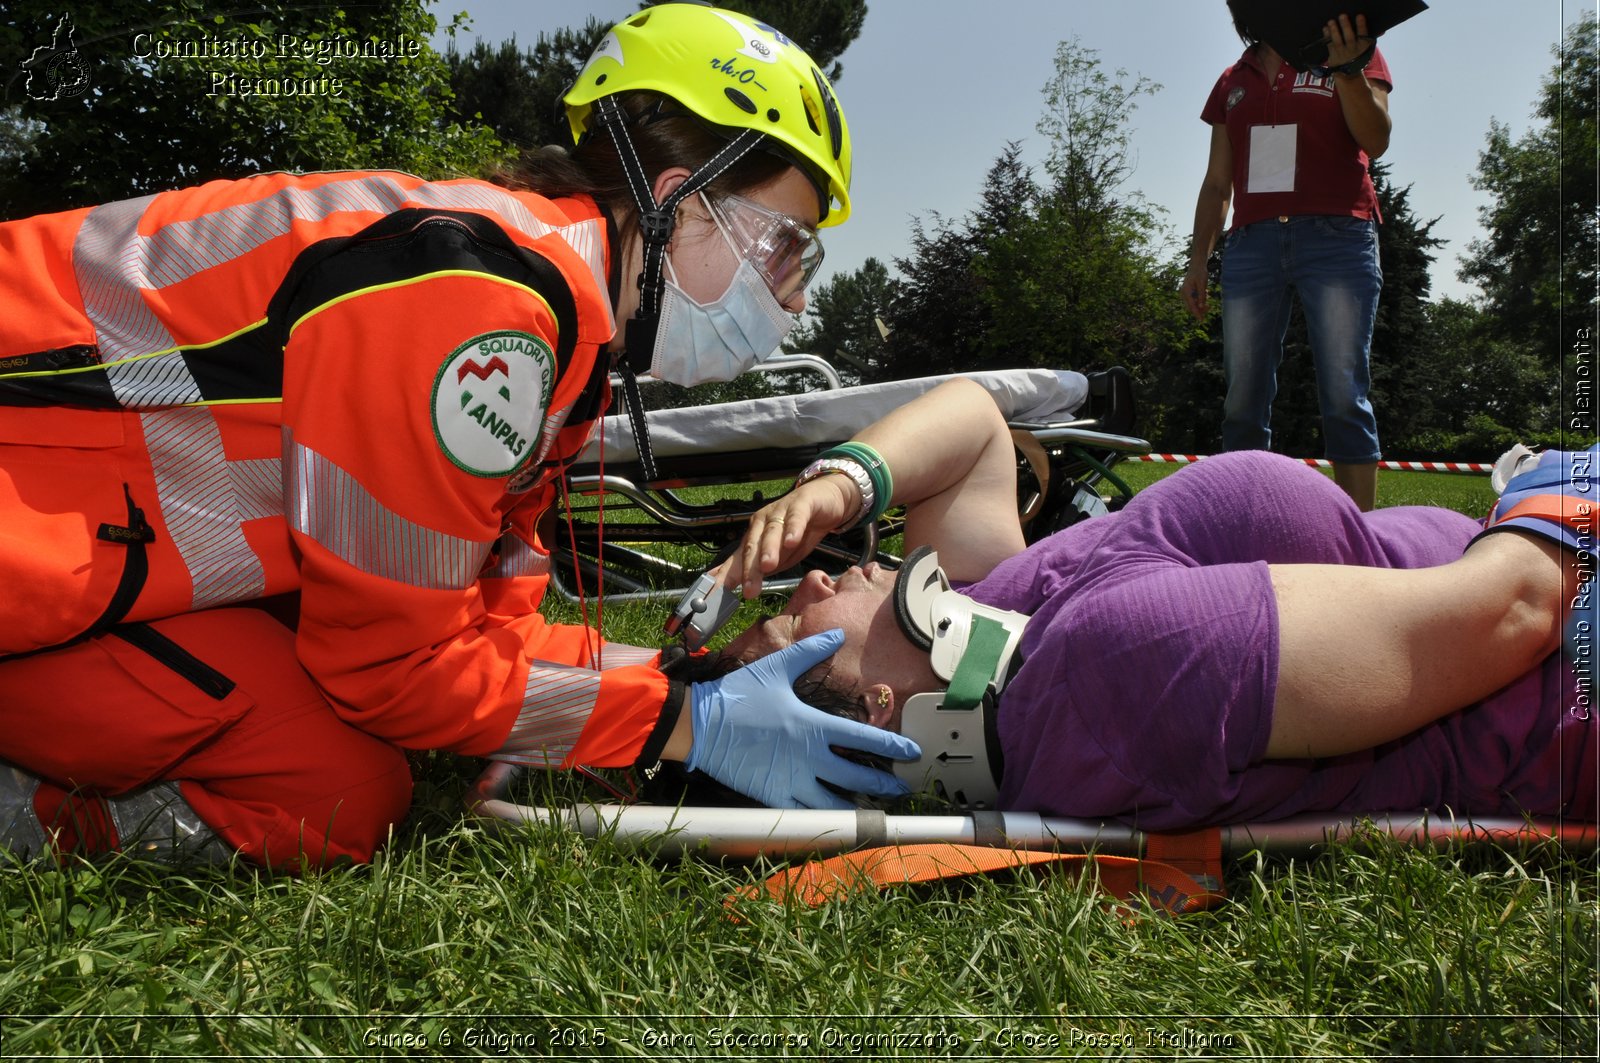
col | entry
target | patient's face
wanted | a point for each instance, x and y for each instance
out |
(858, 602)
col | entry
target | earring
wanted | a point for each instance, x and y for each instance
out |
(883, 698)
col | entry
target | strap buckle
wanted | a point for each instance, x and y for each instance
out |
(656, 224)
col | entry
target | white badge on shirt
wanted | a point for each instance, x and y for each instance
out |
(489, 400)
(1272, 158)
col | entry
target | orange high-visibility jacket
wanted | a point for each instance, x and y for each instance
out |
(354, 385)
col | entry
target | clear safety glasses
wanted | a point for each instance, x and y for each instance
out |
(784, 252)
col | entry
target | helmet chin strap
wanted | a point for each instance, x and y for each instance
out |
(656, 221)
(973, 649)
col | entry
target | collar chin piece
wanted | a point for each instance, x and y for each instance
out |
(973, 650)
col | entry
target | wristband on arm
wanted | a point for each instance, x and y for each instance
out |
(866, 467)
(823, 466)
(877, 470)
(1356, 65)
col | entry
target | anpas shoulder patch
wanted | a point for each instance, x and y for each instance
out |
(489, 399)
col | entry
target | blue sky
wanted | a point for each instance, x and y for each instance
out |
(933, 90)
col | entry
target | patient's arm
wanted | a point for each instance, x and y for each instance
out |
(1368, 655)
(954, 470)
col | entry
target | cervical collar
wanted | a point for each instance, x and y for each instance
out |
(973, 650)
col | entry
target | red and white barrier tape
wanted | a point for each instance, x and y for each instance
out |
(1323, 463)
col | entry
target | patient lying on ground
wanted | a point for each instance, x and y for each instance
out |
(1238, 644)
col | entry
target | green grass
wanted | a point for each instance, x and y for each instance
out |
(535, 944)
(1356, 952)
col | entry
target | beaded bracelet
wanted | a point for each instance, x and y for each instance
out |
(856, 471)
(877, 468)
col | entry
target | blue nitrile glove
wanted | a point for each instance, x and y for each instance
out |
(751, 733)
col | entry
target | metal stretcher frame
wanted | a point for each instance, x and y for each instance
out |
(747, 833)
(1067, 466)
(1081, 454)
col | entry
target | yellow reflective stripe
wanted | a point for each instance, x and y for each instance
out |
(417, 280)
(100, 367)
(221, 339)
(232, 402)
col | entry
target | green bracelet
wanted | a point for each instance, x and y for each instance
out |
(877, 468)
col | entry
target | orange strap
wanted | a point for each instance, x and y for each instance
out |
(1563, 509)
(818, 881)
(1197, 853)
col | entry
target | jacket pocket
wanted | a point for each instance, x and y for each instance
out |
(119, 712)
(72, 533)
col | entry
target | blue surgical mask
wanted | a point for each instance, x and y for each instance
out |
(701, 342)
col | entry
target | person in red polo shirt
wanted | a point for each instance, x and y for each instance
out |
(1289, 152)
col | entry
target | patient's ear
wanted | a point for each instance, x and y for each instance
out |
(877, 705)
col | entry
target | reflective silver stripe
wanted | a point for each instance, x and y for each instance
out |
(153, 382)
(621, 655)
(331, 506)
(258, 485)
(200, 506)
(180, 250)
(517, 558)
(556, 703)
(586, 238)
(554, 421)
(110, 259)
(115, 264)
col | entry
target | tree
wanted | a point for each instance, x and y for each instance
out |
(1483, 393)
(940, 320)
(1071, 272)
(517, 91)
(185, 91)
(1536, 263)
(1404, 354)
(841, 323)
(1066, 274)
(1101, 291)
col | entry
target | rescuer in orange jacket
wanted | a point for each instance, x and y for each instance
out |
(362, 387)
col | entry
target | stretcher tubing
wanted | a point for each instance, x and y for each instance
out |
(747, 833)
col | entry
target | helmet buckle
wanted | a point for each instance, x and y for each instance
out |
(656, 225)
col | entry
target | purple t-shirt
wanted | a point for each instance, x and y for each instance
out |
(1150, 668)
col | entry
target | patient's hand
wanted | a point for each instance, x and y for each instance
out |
(787, 529)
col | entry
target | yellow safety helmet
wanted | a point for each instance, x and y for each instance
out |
(732, 71)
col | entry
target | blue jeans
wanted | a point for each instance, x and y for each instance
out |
(1332, 263)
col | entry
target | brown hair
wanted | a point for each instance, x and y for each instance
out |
(663, 136)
